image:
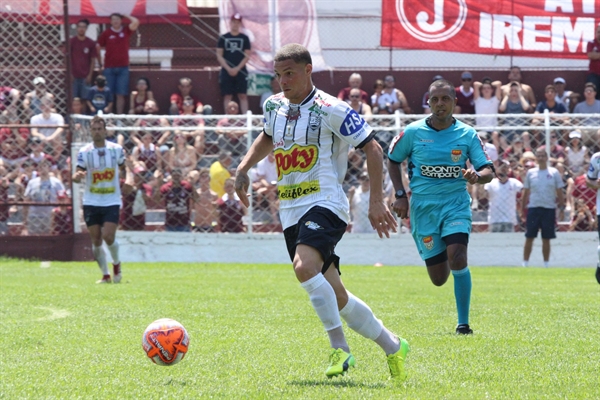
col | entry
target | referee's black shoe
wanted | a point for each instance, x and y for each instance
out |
(464, 329)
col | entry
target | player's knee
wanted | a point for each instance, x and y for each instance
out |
(439, 280)
(459, 261)
(109, 238)
(303, 270)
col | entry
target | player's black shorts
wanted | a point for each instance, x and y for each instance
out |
(95, 215)
(541, 218)
(233, 84)
(319, 228)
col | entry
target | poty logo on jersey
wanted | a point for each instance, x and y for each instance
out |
(456, 154)
(352, 123)
(410, 11)
(441, 171)
(428, 242)
(103, 176)
(296, 159)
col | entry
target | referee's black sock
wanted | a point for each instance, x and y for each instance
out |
(598, 273)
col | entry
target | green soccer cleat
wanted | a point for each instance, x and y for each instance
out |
(339, 363)
(396, 362)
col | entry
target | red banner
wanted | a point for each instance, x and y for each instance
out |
(97, 11)
(539, 28)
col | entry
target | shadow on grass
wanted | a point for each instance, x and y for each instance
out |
(337, 383)
(175, 382)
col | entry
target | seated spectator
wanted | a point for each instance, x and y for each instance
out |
(358, 104)
(576, 153)
(136, 195)
(177, 196)
(205, 216)
(42, 189)
(465, 103)
(581, 191)
(354, 82)
(25, 174)
(159, 137)
(557, 152)
(502, 193)
(377, 90)
(487, 96)
(574, 99)
(489, 148)
(562, 95)
(182, 156)
(193, 137)
(230, 208)
(37, 153)
(51, 137)
(79, 126)
(185, 89)
(514, 75)
(138, 97)
(425, 105)
(265, 185)
(234, 138)
(358, 197)
(583, 219)
(62, 216)
(100, 97)
(148, 153)
(4, 208)
(9, 100)
(32, 103)
(550, 103)
(590, 106)
(513, 103)
(219, 173)
(13, 143)
(390, 99)
(516, 149)
(274, 89)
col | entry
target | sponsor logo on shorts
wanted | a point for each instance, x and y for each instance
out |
(103, 176)
(428, 242)
(313, 225)
(456, 154)
(107, 190)
(441, 171)
(293, 192)
(456, 223)
(352, 123)
(296, 159)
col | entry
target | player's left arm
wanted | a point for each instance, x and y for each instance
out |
(484, 168)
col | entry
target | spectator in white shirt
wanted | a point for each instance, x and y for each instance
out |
(502, 193)
(487, 96)
(52, 136)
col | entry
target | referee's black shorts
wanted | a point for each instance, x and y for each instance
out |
(319, 228)
(539, 218)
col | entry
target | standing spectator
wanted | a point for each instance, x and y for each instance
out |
(52, 137)
(390, 99)
(465, 102)
(83, 54)
(185, 89)
(591, 105)
(358, 197)
(231, 210)
(136, 194)
(138, 97)
(100, 97)
(487, 96)
(233, 139)
(425, 105)
(513, 103)
(177, 196)
(42, 189)
(576, 153)
(219, 173)
(562, 95)
(593, 53)
(502, 192)
(357, 103)
(205, 215)
(514, 75)
(233, 52)
(116, 60)
(542, 188)
(32, 103)
(354, 82)
(62, 216)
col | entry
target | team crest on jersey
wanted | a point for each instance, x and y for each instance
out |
(296, 159)
(314, 122)
(456, 154)
(428, 242)
(293, 113)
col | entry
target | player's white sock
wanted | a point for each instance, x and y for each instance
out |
(324, 302)
(100, 257)
(525, 263)
(598, 250)
(546, 264)
(114, 252)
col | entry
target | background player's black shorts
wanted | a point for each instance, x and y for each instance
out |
(233, 84)
(541, 218)
(319, 228)
(95, 215)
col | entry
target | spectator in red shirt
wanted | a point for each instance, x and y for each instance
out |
(83, 54)
(354, 82)
(177, 196)
(9, 99)
(231, 210)
(116, 60)
(583, 192)
(62, 217)
(13, 144)
(593, 53)
(464, 95)
(185, 90)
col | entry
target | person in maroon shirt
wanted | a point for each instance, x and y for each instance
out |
(136, 193)
(231, 210)
(177, 196)
(464, 95)
(354, 82)
(116, 60)
(593, 53)
(83, 53)
(583, 192)
(62, 217)
(3, 199)
(185, 89)
(13, 144)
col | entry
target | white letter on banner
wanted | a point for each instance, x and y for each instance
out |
(530, 34)
(565, 6)
(485, 30)
(583, 31)
(589, 7)
(509, 32)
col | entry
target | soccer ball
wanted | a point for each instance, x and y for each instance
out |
(165, 341)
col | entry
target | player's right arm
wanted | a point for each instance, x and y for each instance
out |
(81, 169)
(260, 149)
(591, 178)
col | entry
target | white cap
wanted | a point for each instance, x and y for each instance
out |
(575, 134)
(559, 80)
(39, 80)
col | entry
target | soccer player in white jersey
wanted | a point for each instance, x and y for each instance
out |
(310, 132)
(592, 181)
(99, 163)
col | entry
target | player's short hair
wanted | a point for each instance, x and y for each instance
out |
(294, 51)
(98, 120)
(84, 21)
(443, 83)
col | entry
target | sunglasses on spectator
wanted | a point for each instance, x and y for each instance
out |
(355, 97)
(502, 176)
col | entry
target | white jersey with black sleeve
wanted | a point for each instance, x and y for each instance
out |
(593, 174)
(311, 141)
(102, 164)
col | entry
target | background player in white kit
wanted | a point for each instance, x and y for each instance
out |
(311, 132)
(99, 163)
(592, 181)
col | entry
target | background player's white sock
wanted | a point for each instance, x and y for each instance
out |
(324, 302)
(598, 250)
(100, 257)
(114, 252)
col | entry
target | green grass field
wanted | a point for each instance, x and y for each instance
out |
(254, 335)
